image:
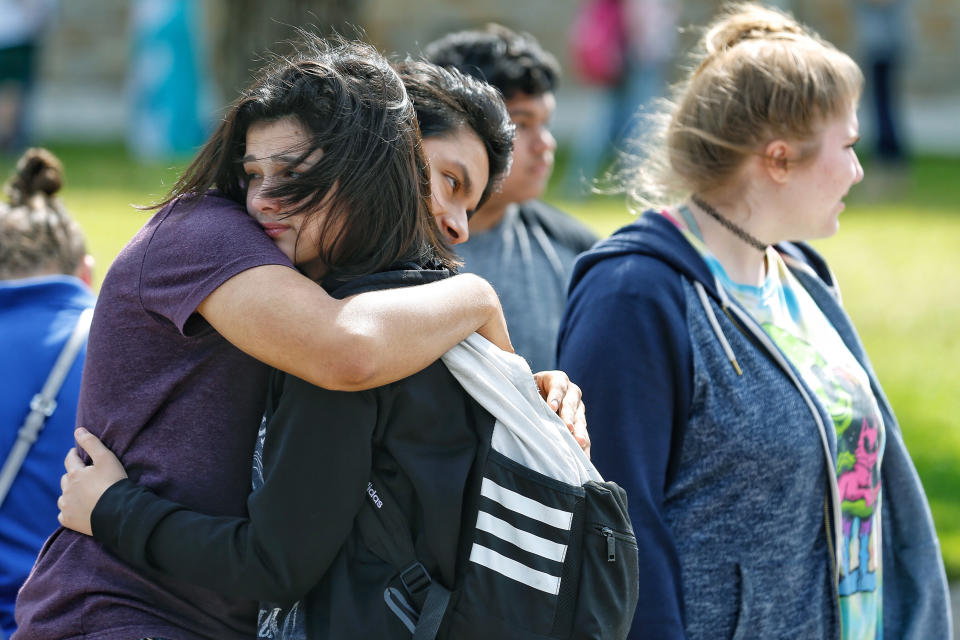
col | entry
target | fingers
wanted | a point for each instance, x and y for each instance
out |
(580, 430)
(80, 490)
(566, 398)
(93, 446)
(579, 426)
(553, 387)
(571, 408)
(72, 461)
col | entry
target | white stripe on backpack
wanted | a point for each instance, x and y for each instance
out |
(521, 539)
(515, 570)
(526, 506)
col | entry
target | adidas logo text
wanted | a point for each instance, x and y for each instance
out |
(373, 495)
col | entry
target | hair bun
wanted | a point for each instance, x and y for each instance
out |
(740, 22)
(38, 171)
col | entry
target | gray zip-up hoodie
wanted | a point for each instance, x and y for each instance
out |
(726, 455)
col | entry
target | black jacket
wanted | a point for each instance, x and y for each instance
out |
(421, 436)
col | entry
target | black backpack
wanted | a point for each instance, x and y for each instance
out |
(538, 557)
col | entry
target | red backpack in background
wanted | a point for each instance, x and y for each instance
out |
(598, 42)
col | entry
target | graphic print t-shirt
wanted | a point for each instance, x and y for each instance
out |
(794, 322)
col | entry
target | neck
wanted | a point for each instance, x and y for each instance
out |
(488, 216)
(314, 269)
(743, 262)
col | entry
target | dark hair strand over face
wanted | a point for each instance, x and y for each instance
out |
(371, 182)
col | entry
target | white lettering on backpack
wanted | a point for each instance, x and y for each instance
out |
(373, 496)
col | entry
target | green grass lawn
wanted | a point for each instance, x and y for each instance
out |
(897, 262)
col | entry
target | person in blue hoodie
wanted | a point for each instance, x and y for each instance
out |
(45, 275)
(770, 488)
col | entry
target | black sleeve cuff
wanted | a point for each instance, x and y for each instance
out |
(124, 518)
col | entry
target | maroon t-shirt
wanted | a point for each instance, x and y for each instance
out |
(180, 406)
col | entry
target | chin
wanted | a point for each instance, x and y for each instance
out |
(830, 230)
(533, 193)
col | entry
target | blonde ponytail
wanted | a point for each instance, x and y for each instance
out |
(757, 75)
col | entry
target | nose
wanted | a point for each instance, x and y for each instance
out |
(453, 224)
(858, 176)
(544, 141)
(260, 201)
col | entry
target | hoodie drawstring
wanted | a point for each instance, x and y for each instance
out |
(702, 294)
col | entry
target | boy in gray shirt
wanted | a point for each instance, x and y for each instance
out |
(524, 247)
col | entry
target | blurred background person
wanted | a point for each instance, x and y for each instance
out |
(22, 22)
(44, 287)
(640, 38)
(883, 33)
(524, 247)
(169, 90)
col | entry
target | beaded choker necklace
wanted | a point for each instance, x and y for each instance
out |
(737, 231)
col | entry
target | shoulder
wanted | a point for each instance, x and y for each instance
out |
(559, 226)
(631, 297)
(193, 247)
(632, 275)
(802, 255)
(202, 212)
(810, 267)
(209, 229)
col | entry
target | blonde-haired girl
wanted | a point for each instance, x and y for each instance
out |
(730, 395)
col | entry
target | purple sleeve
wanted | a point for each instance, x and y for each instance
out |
(198, 245)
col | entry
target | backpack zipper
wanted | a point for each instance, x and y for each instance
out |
(607, 533)
(611, 537)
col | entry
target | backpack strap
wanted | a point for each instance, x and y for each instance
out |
(44, 403)
(386, 531)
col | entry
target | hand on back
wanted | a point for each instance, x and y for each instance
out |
(82, 485)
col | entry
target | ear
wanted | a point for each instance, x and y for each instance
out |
(85, 270)
(776, 160)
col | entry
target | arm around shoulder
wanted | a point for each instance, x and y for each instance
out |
(286, 320)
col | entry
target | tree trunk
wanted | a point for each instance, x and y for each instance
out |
(242, 30)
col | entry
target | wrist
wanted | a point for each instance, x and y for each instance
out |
(103, 518)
